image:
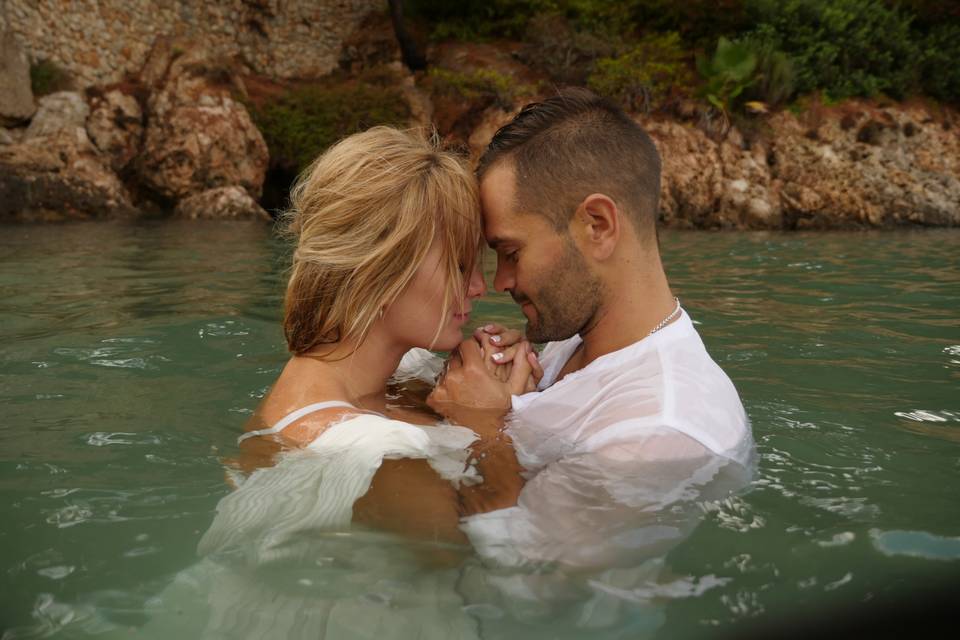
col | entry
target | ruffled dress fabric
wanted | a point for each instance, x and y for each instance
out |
(282, 560)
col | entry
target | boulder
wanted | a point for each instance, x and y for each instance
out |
(61, 113)
(115, 126)
(199, 136)
(222, 203)
(58, 178)
(16, 96)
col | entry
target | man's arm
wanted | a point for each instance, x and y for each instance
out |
(615, 505)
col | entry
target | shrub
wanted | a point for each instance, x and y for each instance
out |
(48, 77)
(728, 73)
(646, 76)
(700, 23)
(563, 52)
(476, 19)
(482, 85)
(304, 121)
(940, 71)
(845, 47)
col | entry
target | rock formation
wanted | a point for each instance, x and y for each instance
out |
(16, 97)
(198, 135)
(115, 126)
(64, 112)
(222, 203)
(853, 166)
(59, 178)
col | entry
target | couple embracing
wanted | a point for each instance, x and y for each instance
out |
(589, 455)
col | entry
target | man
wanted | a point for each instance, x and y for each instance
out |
(632, 423)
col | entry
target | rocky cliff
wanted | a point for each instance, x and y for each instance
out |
(164, 129)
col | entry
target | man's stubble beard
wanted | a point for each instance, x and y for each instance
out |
(569, 302)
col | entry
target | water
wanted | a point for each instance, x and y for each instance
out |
(130, 356)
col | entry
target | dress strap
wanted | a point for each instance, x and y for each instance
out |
(293, 416)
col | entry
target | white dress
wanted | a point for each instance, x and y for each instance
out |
(282, 560)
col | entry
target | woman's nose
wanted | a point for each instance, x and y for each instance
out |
(476, 287)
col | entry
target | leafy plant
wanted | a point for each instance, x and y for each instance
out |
(644, 77)
(775, 76)
(845, 47)
(728, 73)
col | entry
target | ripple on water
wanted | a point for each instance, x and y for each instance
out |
(104, 439)
(916, 544)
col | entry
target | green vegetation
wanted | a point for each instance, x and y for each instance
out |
(483, 84)
(47, 77)
(940, 55)
(304, 121)
(843, 47)
(633, 50)
(731, 70)
(644, 78)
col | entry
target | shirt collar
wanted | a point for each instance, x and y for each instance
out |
(677, 329)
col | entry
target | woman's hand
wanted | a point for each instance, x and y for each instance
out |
(501, 345)
(471, 390)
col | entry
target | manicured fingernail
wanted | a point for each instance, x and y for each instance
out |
(497, 356)
(488, 327)
(495, 339)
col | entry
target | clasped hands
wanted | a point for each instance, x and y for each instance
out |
(482, 374)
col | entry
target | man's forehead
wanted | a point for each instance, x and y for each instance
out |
(497, 189)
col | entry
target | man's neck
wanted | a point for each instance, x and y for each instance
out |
(631, 309)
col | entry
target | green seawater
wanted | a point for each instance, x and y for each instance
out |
(131, 355)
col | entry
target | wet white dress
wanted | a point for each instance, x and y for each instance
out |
(282, 560)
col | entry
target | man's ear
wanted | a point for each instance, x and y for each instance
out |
(599, 225)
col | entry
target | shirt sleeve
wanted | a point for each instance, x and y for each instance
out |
(620, 501)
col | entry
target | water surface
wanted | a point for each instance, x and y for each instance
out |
(130, 356)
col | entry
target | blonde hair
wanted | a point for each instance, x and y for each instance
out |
(364, 216)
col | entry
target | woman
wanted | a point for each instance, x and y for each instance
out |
(387, 230)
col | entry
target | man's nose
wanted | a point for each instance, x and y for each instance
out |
(504, 279)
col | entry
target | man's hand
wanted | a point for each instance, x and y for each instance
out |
(472, 391)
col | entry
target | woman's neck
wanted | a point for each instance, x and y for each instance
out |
(361, 370)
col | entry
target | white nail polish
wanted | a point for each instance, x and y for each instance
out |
(495, 339)
(497, 356)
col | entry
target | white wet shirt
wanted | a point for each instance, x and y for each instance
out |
(620, 455)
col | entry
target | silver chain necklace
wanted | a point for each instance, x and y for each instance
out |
(668, 319)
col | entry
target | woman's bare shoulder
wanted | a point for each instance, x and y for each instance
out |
(310, 427)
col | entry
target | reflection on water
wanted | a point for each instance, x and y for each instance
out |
(131, 355)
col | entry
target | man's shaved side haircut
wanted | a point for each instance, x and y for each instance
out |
(574, 144)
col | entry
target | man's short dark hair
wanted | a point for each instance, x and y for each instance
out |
(574, 144)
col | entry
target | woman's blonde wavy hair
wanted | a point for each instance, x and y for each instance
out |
(364, 216)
